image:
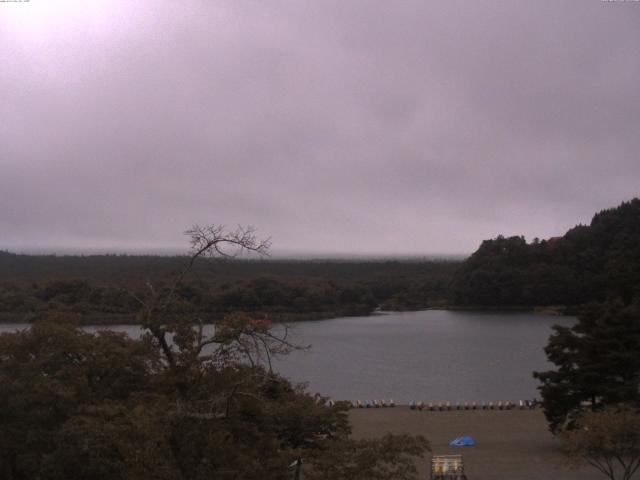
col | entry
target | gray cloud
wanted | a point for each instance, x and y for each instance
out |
(360, 126)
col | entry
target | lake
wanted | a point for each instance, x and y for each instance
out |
(431, 355)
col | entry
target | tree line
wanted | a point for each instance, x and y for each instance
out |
(100, 287)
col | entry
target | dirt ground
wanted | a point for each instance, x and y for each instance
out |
(510, 445)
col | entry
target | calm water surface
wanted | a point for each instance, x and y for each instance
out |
(428, 355)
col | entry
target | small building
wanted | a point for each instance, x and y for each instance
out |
(447, 467)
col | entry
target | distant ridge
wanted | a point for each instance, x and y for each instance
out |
(275, 255)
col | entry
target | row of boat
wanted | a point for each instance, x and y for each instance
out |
(373, 404)
(500, 405)
(439, 406)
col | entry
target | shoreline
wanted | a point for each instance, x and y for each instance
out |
(105, 319)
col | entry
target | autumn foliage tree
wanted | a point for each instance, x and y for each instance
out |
(608, 440)
(183, 402)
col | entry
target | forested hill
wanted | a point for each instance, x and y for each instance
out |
(100, 287)
(589, 263)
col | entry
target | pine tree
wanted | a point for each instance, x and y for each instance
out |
(598, 362)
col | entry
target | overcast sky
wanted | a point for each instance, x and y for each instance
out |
(369, 127)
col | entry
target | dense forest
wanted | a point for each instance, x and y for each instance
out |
(103, 288)
(589, 263)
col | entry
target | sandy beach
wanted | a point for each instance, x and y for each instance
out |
(511, 445)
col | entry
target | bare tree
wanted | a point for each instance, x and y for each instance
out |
(182, 340)
(608, 440)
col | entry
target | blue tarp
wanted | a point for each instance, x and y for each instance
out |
(463, 442)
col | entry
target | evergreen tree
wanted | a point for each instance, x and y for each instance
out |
(589, 263)
(597, 359)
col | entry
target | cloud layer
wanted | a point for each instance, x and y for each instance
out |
(364, 127)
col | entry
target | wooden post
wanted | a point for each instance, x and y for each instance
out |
(298, 469)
